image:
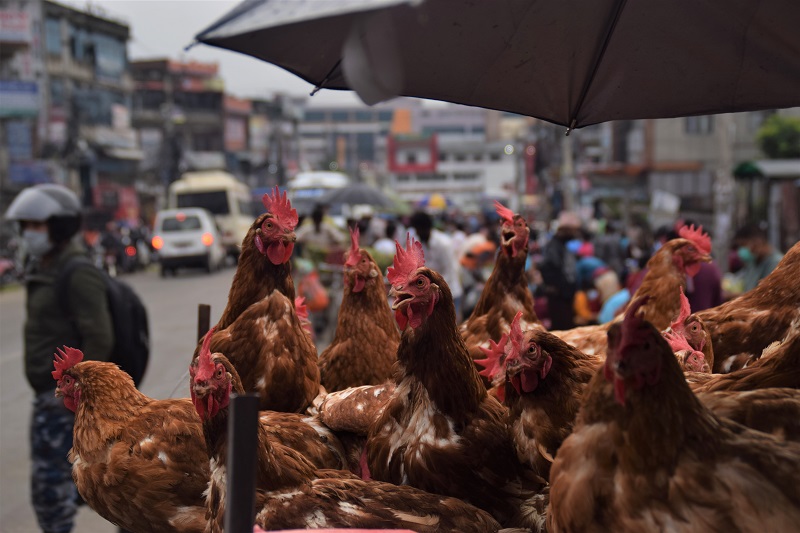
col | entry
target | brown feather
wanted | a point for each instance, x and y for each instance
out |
(139, 463)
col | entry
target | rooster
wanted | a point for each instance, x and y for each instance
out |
(440, 431)
(748, 324)
(645, 455)
(506, 291)
(364, 347)
(541, 379)
(259, 330)
(293, 492)
(139, 463)
(666, 273)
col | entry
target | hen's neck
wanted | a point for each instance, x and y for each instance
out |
(368, 306)
(105, 413)
(508, 277)
(434, 354)
(662, 283)
(256, 277)
(660, 421)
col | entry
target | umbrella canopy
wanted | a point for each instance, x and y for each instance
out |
(570, 62)
(357, 194)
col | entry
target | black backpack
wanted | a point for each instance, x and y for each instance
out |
(131, 333)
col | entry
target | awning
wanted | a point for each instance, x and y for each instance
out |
(132, 154)
(769, 168)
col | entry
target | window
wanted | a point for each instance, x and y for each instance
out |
(461, 157)
(479, 130)
(403, 177)
(214, 201)
(365, 146)
(431, 177)
(52, 36)
(340, 116)
(110, 57)
(183, 223)
(385, 116)
(58, 95)
(494, 157)
(699, 125)
(465, 177)
(477, 157)
(442, 156)
(411, 158)
(314, 116)
(364, 116)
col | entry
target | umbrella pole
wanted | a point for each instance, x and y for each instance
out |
(241, 474)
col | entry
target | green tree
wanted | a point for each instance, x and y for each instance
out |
(779, 137)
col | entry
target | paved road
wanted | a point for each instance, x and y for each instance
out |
(172, 306)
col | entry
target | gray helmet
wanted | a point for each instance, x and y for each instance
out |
(42, 202)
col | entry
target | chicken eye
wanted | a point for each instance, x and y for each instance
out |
(532, 349)
(67, 380)
(219, 372)
(268, 225)
(420, 282)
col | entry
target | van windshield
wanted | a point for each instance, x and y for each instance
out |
(214, 201)
(181, 223)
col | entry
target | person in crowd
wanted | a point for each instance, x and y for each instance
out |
(614, 297)
(386, 244)
(319, 236)
(704, 290)
(559, 273)
(49, 219)
(608, 247)
(758, 256)
(439, 254)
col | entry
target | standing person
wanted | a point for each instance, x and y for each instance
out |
(439, 255)
(559, 274)
(757, 254)
(49, 217)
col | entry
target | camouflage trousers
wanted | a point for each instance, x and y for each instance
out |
(53, 493)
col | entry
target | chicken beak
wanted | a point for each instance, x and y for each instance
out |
(401, 298)
(290, 237)
(201, 389)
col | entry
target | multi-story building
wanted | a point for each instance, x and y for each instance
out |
(21, 98)
(73, 64)
(179, 109)
(275, 140)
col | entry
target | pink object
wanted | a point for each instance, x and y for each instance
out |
(406, 261)
(700, 239)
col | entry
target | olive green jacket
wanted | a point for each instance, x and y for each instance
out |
(47, 327)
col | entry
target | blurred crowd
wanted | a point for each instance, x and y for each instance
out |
(580, 272)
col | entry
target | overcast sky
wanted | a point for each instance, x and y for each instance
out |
(163, 28)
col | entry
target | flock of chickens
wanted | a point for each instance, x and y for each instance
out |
(435, 426)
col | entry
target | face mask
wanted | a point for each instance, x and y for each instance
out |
(745, 254)
(37, 243)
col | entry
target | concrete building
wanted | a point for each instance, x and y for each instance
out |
(179, 109)
(21, 99)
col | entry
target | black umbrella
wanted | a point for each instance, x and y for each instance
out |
(357, 194)
(570, 62)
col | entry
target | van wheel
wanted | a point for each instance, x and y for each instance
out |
(209, 264)
(165, 271)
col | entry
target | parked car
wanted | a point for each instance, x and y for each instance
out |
(187, 238)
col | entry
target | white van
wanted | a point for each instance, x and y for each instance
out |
(227, 198)
(187, 238)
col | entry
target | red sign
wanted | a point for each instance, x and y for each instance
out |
(412, 154)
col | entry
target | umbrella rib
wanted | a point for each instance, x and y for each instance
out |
(321, 85)
(590, 79)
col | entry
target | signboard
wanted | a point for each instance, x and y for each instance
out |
(19, 139)
(19, 99)
(235, 134)
(29, 172)
(15, 27)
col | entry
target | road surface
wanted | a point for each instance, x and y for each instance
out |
(172, 307)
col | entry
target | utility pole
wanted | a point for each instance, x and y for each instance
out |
(567, 173)
(723, 191)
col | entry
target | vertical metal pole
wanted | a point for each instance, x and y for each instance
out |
(241, 472)
(723, 191)
(203, 319)
(567, 173)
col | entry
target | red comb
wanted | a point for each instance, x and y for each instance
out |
(505, 213)
(64, 360)
(495, 357)
(406, 261)
(301, 308)
(684, 313)
(205, 367)
(677, 341)
(355, 254)
(495, 353)
(280, 207)
(700, 239)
